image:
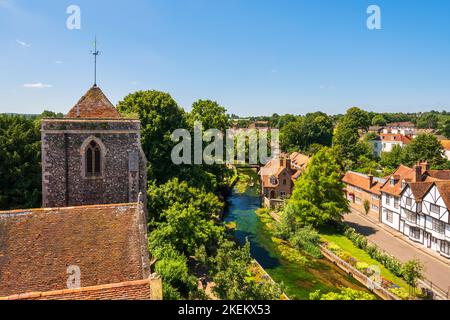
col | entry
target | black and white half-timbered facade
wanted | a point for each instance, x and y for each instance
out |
(425, 215)
(416, 201)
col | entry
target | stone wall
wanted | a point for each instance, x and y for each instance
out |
(124, 164)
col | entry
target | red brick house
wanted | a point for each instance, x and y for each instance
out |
(361, 189)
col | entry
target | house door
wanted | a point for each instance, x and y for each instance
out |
(427, 237)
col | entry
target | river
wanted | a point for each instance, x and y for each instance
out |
(299, 280)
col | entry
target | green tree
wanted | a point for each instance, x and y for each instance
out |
(366, 206)
(160, 116)
(344, 294)
(20, 167)
(412, 272)
(445, 129)
(163, 197)
(318, 196)
(393, 158)
(315, 128)
(426, 147)
(186, 228)
(379, 120)
(172, 266)
(210, 113)
(347, 144)
(427, 121)
(233, 276)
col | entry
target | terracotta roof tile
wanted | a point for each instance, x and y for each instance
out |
(94, 105)
(362, 181)
(444, 190)
(37, 246)
(419, 189)
(402, 173)
(132, 290)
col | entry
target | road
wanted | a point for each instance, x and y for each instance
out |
(437, 269)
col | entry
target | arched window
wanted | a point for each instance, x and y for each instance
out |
(93, 160)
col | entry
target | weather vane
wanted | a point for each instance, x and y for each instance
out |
(95, 53)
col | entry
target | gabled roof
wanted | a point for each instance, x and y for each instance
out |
(444, 190)
(402, 173)
(420, 189)
(438, 174)
(94, 105)
(362, 181)
(299, 160)
(106, 242)
(395, 137)
(274, 168)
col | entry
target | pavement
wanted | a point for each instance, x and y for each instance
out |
(437, 268)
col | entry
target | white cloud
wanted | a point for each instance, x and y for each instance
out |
(38, 85)
(59, 62)
(134, 83)
(23, 44)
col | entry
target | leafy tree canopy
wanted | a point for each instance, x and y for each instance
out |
(20, 163)
(318, 196)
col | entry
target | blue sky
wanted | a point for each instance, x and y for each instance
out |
(254, 57)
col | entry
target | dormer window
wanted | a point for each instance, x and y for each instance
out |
(403, 184)
(392, 181)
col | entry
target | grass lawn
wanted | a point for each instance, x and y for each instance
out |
(330, 235)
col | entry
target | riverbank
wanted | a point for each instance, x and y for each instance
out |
(299, 274)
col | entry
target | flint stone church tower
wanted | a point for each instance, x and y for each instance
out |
(92, 156)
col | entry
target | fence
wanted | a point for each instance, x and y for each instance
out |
(358, 275)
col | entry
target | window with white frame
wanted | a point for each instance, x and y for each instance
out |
(375, 197)
(375, 208)
(438, 226)
(409, 202)
(445, 247)
(388, 200)
(396, 202)
(411, 216)
(435, 209)
(389, 216)
(358, 200)
(414, 233)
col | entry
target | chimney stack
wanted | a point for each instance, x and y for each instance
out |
(417, 173)
(425, 166)
(370, 180)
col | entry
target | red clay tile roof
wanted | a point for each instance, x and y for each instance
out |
(362, 181)
(444, 190)
(132, 290)
(107, 243)
(274, 168)
(299, 160)
(94, 105)
(402, 173)
(420, 189)
(438, 174)
(391, 137)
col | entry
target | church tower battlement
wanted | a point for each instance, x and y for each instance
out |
(92, 156)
